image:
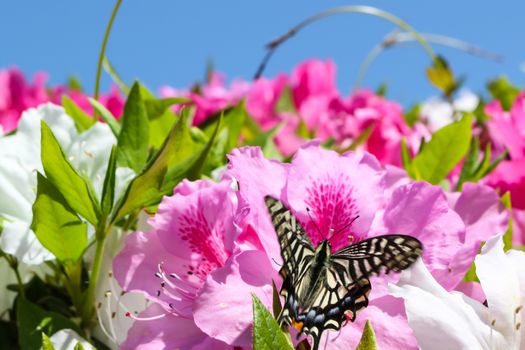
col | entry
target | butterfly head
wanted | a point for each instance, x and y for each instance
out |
(324, 249)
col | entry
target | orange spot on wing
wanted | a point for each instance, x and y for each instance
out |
(297, 325)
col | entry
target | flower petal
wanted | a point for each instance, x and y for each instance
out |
(442, 320)
(223, 308)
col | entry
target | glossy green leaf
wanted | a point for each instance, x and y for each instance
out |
(267, 335)
(134, 135)
(56, 224)
(444, 151)
(74, 84)
(78, 346)
(82, 120)
(76, 190)
(108, 190)
(368, 339)
(106, 115)
(161, 118)
(32, 321)
(179, 151)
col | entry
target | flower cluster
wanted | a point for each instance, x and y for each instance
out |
(211, 246)
(150, 230)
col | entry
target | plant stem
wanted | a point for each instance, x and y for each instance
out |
(103, 48)
(13, 263)
(369, 10)
(89, 300)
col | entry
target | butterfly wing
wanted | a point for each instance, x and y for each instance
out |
(297, 252)
(344, 287)
(369, 257)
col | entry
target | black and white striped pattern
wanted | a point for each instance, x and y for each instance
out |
(323, 290)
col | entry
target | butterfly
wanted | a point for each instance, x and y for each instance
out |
(322, 290)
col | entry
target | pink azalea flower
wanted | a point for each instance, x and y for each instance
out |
(212, 97)
(193, 248)
(507, 129)
(262, 99)
(17, 95)
(338, 188)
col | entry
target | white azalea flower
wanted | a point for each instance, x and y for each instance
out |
(452, 320)
(20, 158)
(67, 339)
(438, 112)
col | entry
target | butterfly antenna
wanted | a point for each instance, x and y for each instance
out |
(312, 220)
(276, 263)
(344, 227)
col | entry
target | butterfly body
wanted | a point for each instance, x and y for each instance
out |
(323, 290)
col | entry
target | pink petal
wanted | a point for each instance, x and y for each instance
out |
(336, 189)
(258, 177)
(196, 224)
(223, 309)
(168, 332)
(421, 210)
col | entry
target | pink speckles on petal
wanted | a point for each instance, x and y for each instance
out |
(330, 199)
(206, 243)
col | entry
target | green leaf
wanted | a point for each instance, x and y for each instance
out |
(285, 102)
(167, 167)
(368, 339)
(134, 135)
(471, 275)
(110, 69)
(501, 89)
(108, 190)
(78, 346)
(46, 343)
(74, 84)
(75, 189)
(56, 224)
(195, 170)
(155, 108)
(471, 163)
(82, 121)
(161, 118)
(507, 237)
(106, 116)
(30, 317)
(441, 76)
(412, 115)
(444, 151)
(267, 334)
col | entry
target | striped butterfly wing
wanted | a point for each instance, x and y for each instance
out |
(369, 257)
(344, 287)
(297, 252)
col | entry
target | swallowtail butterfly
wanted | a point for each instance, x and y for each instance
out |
(322, 290)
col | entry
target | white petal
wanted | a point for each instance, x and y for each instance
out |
(17, 192)
(442, 320)
(501, 285)
(517, 259)
(466, 101)
(66, 339)
(17, 239)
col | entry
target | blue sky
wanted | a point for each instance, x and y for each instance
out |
(169, 42)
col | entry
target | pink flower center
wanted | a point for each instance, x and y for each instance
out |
(205, 241)
(331, 202)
